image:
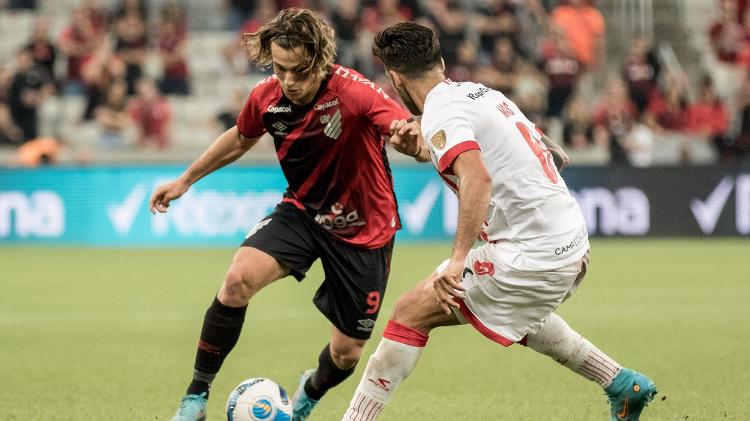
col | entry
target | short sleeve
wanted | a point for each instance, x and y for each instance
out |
(250, 119)
(379, 108)
(449, 134)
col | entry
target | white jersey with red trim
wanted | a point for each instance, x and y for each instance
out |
(532, 218)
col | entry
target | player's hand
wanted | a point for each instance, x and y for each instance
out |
(405, 137)
(166, 193)
(448, 285)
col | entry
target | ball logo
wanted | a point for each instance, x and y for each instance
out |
(262, 409)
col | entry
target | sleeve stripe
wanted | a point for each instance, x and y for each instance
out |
(448, 157)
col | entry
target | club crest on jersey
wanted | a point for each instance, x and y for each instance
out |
(438, 139)
(333, 124)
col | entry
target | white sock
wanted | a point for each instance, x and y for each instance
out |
(392, 362)
(557, 340)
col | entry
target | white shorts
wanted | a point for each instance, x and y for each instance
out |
(505, 304)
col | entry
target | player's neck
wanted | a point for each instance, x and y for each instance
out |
(421, 87)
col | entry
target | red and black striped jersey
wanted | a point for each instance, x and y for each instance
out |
(332, 153)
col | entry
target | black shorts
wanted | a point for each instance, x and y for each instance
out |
(355, 278)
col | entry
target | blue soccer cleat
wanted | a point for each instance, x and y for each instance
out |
(628, 394)
(192, 408)
(302, 405)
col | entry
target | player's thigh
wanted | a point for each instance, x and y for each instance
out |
(420, 309)
(279, 245)
(355, 282)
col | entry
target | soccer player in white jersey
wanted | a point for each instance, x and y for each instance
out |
(511, 195)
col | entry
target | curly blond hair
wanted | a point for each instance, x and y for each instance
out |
(293, 28)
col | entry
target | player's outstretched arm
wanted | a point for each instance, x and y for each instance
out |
(558, 153)
(475, 188)
(227, 148)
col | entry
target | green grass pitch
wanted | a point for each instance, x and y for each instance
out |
(109, 334)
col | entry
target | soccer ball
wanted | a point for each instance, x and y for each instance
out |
(259, 399)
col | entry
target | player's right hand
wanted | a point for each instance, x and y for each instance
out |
(166, 193)
(448, 286)
(405, 136)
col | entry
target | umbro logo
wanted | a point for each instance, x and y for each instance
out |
(365, 325)
(280, 127)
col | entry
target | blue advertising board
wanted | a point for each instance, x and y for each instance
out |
(108, 206)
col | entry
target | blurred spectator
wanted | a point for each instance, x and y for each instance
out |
(38, 152)
(237, 12)
(727, 38)
(128, 6)
(42, 48)
(345, 19)
(561, 68)
(79, 42)
(131, 42)
(641, 71)
(466, 63)
(22, 4)
(742, 144)
(112, 116)
(503, 71)
(234, 53)
(152, 115)
(31, 84)
(709, 117)
(583, 26)
(450, 22)
(375, 17)
(578, 132)
(614, 119)
(100, 73)
(9, 133)
(228, 117)
(173, 53)
(495, 19)
(668, 112)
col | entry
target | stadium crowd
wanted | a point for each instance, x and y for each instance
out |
(549, 56)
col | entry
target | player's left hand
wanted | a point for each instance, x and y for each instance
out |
(448, 285)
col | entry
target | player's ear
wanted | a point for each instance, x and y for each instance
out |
(442, 65)
(394, 78)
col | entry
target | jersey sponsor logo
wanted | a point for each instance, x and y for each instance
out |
(479, 93)
(333, 127)
(484, 268)
(279, 109)
(579, 238)
(438, 139)
(329, 104)
(365, 325)
(337, 219)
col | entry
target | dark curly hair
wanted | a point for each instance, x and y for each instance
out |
(407, 48)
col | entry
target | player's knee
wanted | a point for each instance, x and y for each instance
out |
(347, 355)
(405, 310)
(239, 286)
